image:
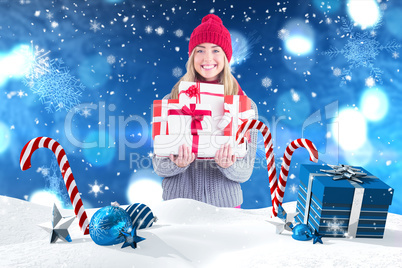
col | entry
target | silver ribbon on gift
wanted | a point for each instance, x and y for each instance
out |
(347, 172)
(351, 174)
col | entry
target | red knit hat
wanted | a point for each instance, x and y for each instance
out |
(211, 30)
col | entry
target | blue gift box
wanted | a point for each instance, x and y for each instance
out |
(342, 208)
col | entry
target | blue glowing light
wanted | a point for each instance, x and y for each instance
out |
(360, 157)
(4, 137)
(374, 104)
(45, 198)
(144, 186)
(365, 13)
(300, 40)
(299, 45)
(144, 191)
(351, 130)
(16, 63)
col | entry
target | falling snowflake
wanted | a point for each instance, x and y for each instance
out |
(178, 33)
(177, 72)
(159, 30)
(148, 29)
(395, 55)
(361, 50)
(295, 95)
(266, 82)
(56, 88)
(94, 26)
(95, 188)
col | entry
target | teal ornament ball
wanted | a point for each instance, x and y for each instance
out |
(107, 224)
(302, 232)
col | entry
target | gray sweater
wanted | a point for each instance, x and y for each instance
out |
(204, 180)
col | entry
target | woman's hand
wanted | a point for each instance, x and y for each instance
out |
(224, 157)
(185, 157)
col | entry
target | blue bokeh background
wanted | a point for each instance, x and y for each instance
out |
(333, 83)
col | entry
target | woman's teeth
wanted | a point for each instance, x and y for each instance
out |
(208, 67)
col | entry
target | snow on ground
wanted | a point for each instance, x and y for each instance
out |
(188, 234)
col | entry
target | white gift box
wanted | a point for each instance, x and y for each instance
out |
(203, 146)
(205, 93)
(194, 119)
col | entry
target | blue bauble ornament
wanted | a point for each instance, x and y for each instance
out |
(302, 232)
(107, 225)
(141, 215)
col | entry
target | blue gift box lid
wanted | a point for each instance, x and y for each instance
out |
(341, 191)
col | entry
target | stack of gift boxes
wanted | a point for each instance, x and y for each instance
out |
(202, 118)
(343, 201)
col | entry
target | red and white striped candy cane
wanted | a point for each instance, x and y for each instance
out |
(269, 150)
(277, 188)
(55, 147)
(287, 157)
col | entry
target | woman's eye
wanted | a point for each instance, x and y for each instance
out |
(216, 51)
(199, 51)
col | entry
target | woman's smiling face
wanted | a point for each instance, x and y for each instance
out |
(209, 60)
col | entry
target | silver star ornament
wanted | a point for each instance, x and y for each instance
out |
(58, 227)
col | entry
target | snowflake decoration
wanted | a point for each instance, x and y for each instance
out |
(336, 226)
(100, 226)
(148, 29)
(361, 50)
(49, 15)
(95, 188)
(178, 33)
(293, 188)
(86, 112)
(160, 30)
(54, 181)
(177, 72)
(266, 82)
(38, 63)
(94, 26)
(111, 59)
(56, 88)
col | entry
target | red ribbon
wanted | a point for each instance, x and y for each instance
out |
(196, 116)
(193, 91)
(194, 146)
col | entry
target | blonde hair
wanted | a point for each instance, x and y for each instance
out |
(226, 78)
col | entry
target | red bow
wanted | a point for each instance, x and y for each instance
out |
(193, 91)
(196, 116)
